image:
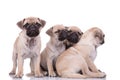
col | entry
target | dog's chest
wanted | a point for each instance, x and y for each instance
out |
(30, 43)
(29, 50)
(93, 55)
(59, 49)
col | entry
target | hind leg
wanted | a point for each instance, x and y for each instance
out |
(73, 75)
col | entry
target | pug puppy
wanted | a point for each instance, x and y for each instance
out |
(54, 47)
(73, 36)
(80, 57)
(28, 45)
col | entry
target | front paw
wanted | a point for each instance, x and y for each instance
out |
(103, 75)
(37, 75)
(18, 75)
(12, 73)
(52, 74)
(30, 74)
(44, 73)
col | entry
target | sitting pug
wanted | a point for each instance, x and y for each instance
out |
(80, 57)
(54, 47)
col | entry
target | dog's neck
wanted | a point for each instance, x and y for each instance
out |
(89, 45)
(56, 42)
(56, 45)
(30, 41)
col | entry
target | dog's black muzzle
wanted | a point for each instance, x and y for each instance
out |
(62, 35)
(73, 37)
(102, 42)
(32, 31)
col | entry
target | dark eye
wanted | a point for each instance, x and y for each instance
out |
(57, 31)
(26, 25)
(38, 24)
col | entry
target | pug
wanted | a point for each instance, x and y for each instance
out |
(80, 57)
(73, 36)
(54, 47)
(28, 45)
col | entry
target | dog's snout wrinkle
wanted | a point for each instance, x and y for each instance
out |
(73, 37)
(63, 35)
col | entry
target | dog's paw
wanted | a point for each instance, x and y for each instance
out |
(44, 73)
(12, 73)
(18, 76)
(30, 74)
(39, 75)
(102, 75)
(52, 74)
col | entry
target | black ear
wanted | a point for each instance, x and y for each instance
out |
(80, 33)
(98, 34)
(20, 24)
(49, 31)
(43, 22)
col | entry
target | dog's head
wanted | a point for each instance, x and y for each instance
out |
(58, 32)
(73, 36)
(99, 37)
(31, 25)
(95, 36)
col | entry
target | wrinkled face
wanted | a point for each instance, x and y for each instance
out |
(74, 35)
(32, 29)
(99, 37)
(32, 26)
(62, 34)
(58, 32)
(95, 36)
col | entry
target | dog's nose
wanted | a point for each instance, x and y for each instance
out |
(102, 42)
(63, 35)
(32, 27)
(73, 37)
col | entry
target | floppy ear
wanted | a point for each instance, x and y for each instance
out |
(43, 22)
(49, 31)
(20, 24)
(98, 34)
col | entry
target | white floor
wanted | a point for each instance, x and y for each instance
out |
(6, 67)
(55, 78)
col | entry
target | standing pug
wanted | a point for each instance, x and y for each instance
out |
(80, 57)
(54, 47)
(28, 45)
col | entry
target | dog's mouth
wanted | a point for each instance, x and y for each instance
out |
(32, 33)
(73, 37)
(102, 42)
(62, 35)
(32, 30)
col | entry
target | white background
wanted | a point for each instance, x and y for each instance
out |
(85, 14)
